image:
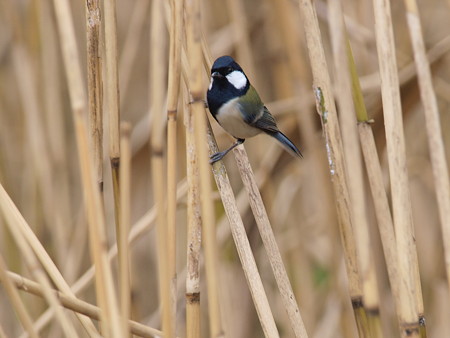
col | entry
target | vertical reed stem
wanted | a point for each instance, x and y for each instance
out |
(176, 36)
(157, 80)
(270, 244)
(194, 47)
(348, 123)
(401, 204)
(375, 177)
(105, 287)
(112, 97)
(94, 75)
(194, 232)
(434, 132)
(333, 143)
(125, 216)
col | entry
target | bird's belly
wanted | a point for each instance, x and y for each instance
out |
(230, 118)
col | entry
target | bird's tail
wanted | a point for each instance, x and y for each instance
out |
(287, 144)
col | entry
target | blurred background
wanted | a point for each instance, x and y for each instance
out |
(40, 171)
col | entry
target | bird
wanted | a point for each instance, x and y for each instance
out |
(236, 106)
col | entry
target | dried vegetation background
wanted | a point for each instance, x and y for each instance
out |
(41, 132)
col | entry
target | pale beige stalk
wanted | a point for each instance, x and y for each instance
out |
(112, 98)
(194, 232)
(157, 93)
(95, 86)
(401, 204)
(353, 160)
(270, 244)
(327, 110)
(196, 87)
(434, 130)
(375, 177)
(105, 287)
(173, 90)
(242, 245)
(124, 228)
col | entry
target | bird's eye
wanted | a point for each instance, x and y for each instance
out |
(229, 69)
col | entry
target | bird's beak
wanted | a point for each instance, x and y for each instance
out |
(216, 75)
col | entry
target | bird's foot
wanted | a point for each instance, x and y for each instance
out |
(217, 157)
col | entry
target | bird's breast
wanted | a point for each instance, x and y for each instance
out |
(229, 116)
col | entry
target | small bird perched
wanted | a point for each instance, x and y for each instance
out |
(236, 106)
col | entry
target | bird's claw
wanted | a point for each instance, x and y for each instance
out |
(216, 157)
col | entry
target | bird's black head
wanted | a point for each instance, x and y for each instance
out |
(228, 81)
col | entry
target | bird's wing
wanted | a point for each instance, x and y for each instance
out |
(265, 121)
(255, 113)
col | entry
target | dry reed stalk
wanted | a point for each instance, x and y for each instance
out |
(17, 303)
(15, 221)
(375, 177)
(111, 324)
(327, 110)
(95, 86)
(194, 232)
(195, 84)
(105, 287)
(157, 92)
(124, 228)
(77, 305)
(270, 244)
(434, 132)
(410, 291)
(176, 38)
(112, 98)
(242, 244)
(348, 123)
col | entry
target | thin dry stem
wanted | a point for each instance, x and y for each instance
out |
(433, 125)
(125, 214)
(401, 204)
(95, 86)
(112, 98)
(194, 232)
(94, 209)
(176, 37)
(242, 245)
(353, 159)
(157, 78)
(327, 110)
(196, 87)
(270, 244)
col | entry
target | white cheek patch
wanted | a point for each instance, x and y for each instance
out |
(210, 83)
(237, 79)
